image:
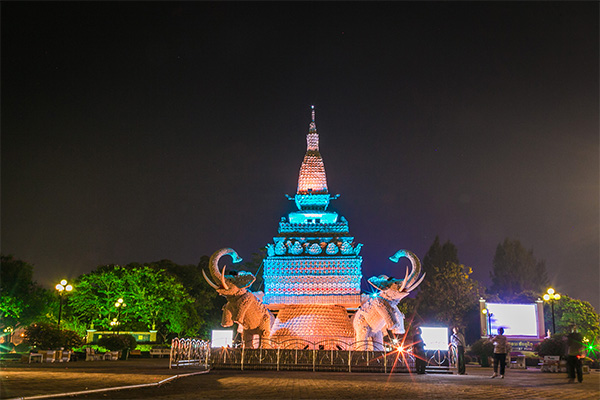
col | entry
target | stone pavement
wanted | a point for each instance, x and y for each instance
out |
(29, 380)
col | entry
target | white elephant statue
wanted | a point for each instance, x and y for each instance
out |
(380, 313)
(242, 307)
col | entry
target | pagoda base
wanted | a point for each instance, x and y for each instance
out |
(296, 323)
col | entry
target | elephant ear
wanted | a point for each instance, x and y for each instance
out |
(384, 282)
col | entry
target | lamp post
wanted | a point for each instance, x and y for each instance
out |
(119, 305)
(552, 296)
(62, 287)
(489, 314)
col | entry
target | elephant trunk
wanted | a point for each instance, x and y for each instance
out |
(213, 265)
(410, 281)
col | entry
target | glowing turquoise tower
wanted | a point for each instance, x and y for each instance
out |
(313, 260)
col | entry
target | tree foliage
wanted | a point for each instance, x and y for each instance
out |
(202, 295)
(516, 270)
(448, 293)
(569, 311)
(439, 255)
(22, 300)
(152, 298)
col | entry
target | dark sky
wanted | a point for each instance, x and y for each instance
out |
(134, 132)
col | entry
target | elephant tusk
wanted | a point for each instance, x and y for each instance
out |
(209, 281)
(223, 278)
(411, 288)
(404, 281)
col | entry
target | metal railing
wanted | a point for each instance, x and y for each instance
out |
(298, 354)
(189, 352)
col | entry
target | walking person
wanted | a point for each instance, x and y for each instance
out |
(500, 351)
(418, 348)
(457, 342)
(574, 352)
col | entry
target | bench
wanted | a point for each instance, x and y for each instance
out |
(160, 352)
(135, 353)
(91, 355)
(112, 355)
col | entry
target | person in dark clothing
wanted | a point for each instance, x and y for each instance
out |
(457, 342)
(419, 352)
(574, 352)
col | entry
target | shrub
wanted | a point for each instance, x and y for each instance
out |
(47, 336)
(483, 349)
(532, 361)
(117, 342)
(144, 347)
(553, 346)
(22, 348)
(98, 349)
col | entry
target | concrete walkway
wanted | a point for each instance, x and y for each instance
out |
(22, 380)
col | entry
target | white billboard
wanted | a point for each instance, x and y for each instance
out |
(516, 319)
(435, 338)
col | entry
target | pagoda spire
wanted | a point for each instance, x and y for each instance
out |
(312, 139)
(312, 181)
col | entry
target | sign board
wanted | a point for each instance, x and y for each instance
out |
(221, 338)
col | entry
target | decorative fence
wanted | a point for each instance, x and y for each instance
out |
(329, 355)
(189, 353)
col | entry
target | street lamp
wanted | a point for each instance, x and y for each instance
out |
(552, 296)
(62, 287)
(119, 305)
(489, 314)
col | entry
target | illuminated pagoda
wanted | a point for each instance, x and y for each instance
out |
(312, 271)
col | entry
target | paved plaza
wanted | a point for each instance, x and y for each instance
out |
(29, 380)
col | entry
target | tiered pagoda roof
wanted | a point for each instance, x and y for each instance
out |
(313, 259)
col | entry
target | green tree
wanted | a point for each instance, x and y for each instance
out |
(569, 311)
(152, 299)
(92, 301)
(22, 300)
(516, 270)
(203, 296)
(448, 295)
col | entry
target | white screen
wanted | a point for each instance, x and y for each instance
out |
(516, 319)
(435, 338)
(221, 338)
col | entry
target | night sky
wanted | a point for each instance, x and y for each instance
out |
(135, 132)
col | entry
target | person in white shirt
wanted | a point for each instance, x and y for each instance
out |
(500, 350)
(457, 342)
